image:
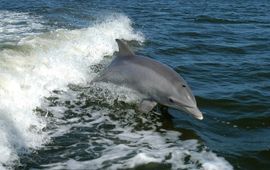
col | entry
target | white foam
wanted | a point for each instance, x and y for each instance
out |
(137, 147)
(140, 159)
(42, 63)
(211, 161)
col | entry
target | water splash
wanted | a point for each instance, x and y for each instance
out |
(42, 63)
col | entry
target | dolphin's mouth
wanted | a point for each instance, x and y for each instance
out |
(195, 112)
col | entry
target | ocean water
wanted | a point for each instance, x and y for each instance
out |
(51, 117)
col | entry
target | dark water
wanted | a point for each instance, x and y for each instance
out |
(221, 48)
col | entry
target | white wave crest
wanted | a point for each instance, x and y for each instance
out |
(42, 63)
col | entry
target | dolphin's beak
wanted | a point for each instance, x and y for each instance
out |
(195, 112)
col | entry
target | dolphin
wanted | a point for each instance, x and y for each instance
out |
(156, 81)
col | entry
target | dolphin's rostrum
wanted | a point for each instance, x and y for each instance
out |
(158, 82)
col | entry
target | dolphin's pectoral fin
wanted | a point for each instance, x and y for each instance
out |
(146, 105)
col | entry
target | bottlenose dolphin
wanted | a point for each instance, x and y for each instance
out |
(158, 82)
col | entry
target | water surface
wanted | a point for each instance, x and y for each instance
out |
(52, 118)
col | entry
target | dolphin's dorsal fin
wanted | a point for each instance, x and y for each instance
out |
(124, 50)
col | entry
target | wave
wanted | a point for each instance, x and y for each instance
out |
(41, 63)
(215, 20)
(203, 49)
(15, 25)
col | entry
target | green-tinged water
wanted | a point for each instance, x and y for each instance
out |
(51, 117)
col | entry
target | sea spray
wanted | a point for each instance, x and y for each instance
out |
(41, 63)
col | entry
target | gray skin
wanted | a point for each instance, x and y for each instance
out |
(158, 82)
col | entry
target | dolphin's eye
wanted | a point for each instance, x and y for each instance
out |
(171, 100)
(184, 85)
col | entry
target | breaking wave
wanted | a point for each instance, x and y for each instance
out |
(41, 63)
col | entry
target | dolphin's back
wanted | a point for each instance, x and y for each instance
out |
(141, 73)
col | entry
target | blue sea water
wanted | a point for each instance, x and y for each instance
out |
(52, 118)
